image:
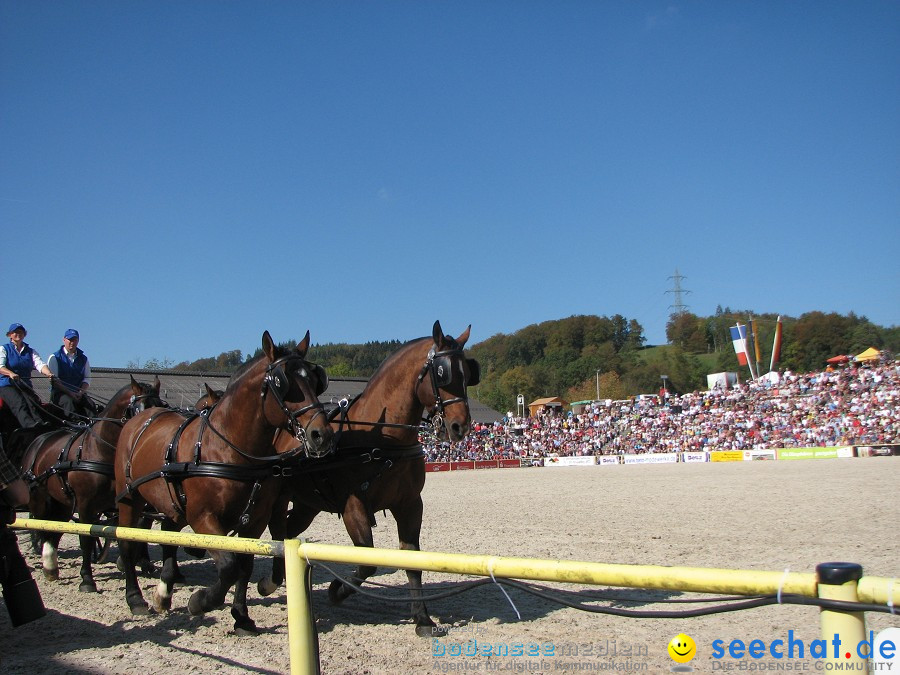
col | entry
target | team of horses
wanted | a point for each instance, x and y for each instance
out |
(263, 453)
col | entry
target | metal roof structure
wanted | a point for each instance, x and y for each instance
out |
(182, 388)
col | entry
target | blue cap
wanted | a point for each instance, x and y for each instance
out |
(13, 327)
(71, 334)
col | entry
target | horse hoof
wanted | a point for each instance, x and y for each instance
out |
(140, 610)
(266, 587)
(161, 605)
(195, 605)
(87, 587)
(148, 569)
(337, 593)
(244, 631)
(51, 575)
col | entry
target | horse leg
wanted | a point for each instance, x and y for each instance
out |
(356, 520)
(148, 568)
(46, 544)
(129, 551)
(177, 577)
(50, 555)
(162, 596)
(88, 543)
(243, 624)
(283, 526)
(409, 525)
(213, 597)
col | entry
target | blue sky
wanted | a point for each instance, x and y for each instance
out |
(177, 177)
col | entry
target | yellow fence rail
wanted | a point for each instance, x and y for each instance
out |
(840, 584)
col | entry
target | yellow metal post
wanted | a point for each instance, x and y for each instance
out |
(304, 660)
(838, 581)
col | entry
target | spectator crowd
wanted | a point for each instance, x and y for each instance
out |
(854, 405)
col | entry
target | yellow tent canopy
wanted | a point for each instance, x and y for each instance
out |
(869, 355)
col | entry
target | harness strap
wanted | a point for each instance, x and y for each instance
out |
(347, 457)
(93, 466)
(178, 471)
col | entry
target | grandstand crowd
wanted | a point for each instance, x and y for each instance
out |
(852, 405)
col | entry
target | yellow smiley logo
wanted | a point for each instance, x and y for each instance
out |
(682, 648)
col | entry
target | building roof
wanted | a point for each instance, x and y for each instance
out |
(183, 388)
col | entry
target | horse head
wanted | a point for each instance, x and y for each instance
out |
(139, 396)
(443, 381)
(290, 390)
(209, 399)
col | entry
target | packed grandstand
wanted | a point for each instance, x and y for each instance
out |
(849, 406)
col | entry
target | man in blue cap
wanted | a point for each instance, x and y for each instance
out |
(72, 370)
(17, 360)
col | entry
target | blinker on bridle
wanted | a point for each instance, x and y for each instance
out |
(440, 365)
(276, 380)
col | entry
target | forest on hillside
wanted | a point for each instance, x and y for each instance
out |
(581, 357)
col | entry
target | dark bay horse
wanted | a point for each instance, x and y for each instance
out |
(379, 463)
(71, 471)
(214, 471)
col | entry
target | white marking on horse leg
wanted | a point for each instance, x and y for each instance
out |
(49, 557)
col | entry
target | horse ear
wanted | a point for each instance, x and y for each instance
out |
(212, 396)
(135, 387)
(465, 336)
(303, 345)
(268, 346)
(437, 333)
(156, 384)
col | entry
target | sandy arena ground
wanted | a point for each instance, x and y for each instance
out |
(759, 515)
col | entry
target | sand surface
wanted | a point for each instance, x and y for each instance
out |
(749, 515)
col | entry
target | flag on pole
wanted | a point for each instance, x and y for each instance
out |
(739, 340)
(776, 345)
(754, 338)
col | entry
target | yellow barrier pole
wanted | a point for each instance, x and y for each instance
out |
(879, 590)
(304, 660)
(185, 539)
(838, 581)
(688, 579)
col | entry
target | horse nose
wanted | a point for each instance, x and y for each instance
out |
(320, 440)
(458, 430)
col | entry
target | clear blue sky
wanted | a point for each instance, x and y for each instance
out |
(176, 177)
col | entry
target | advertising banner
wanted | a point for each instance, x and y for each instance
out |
(751, 455)
(726, 456)
(570, 461)
(437, 466)
(694, 457)
(510, 463)
(485, 463)
(811, 453)
(652, 458)
(608, 460)
(878, 450)
(462, 466)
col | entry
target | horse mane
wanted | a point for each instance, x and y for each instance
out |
(396, 356)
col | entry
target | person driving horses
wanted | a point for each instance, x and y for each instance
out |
(72, 369)
(17, 360)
